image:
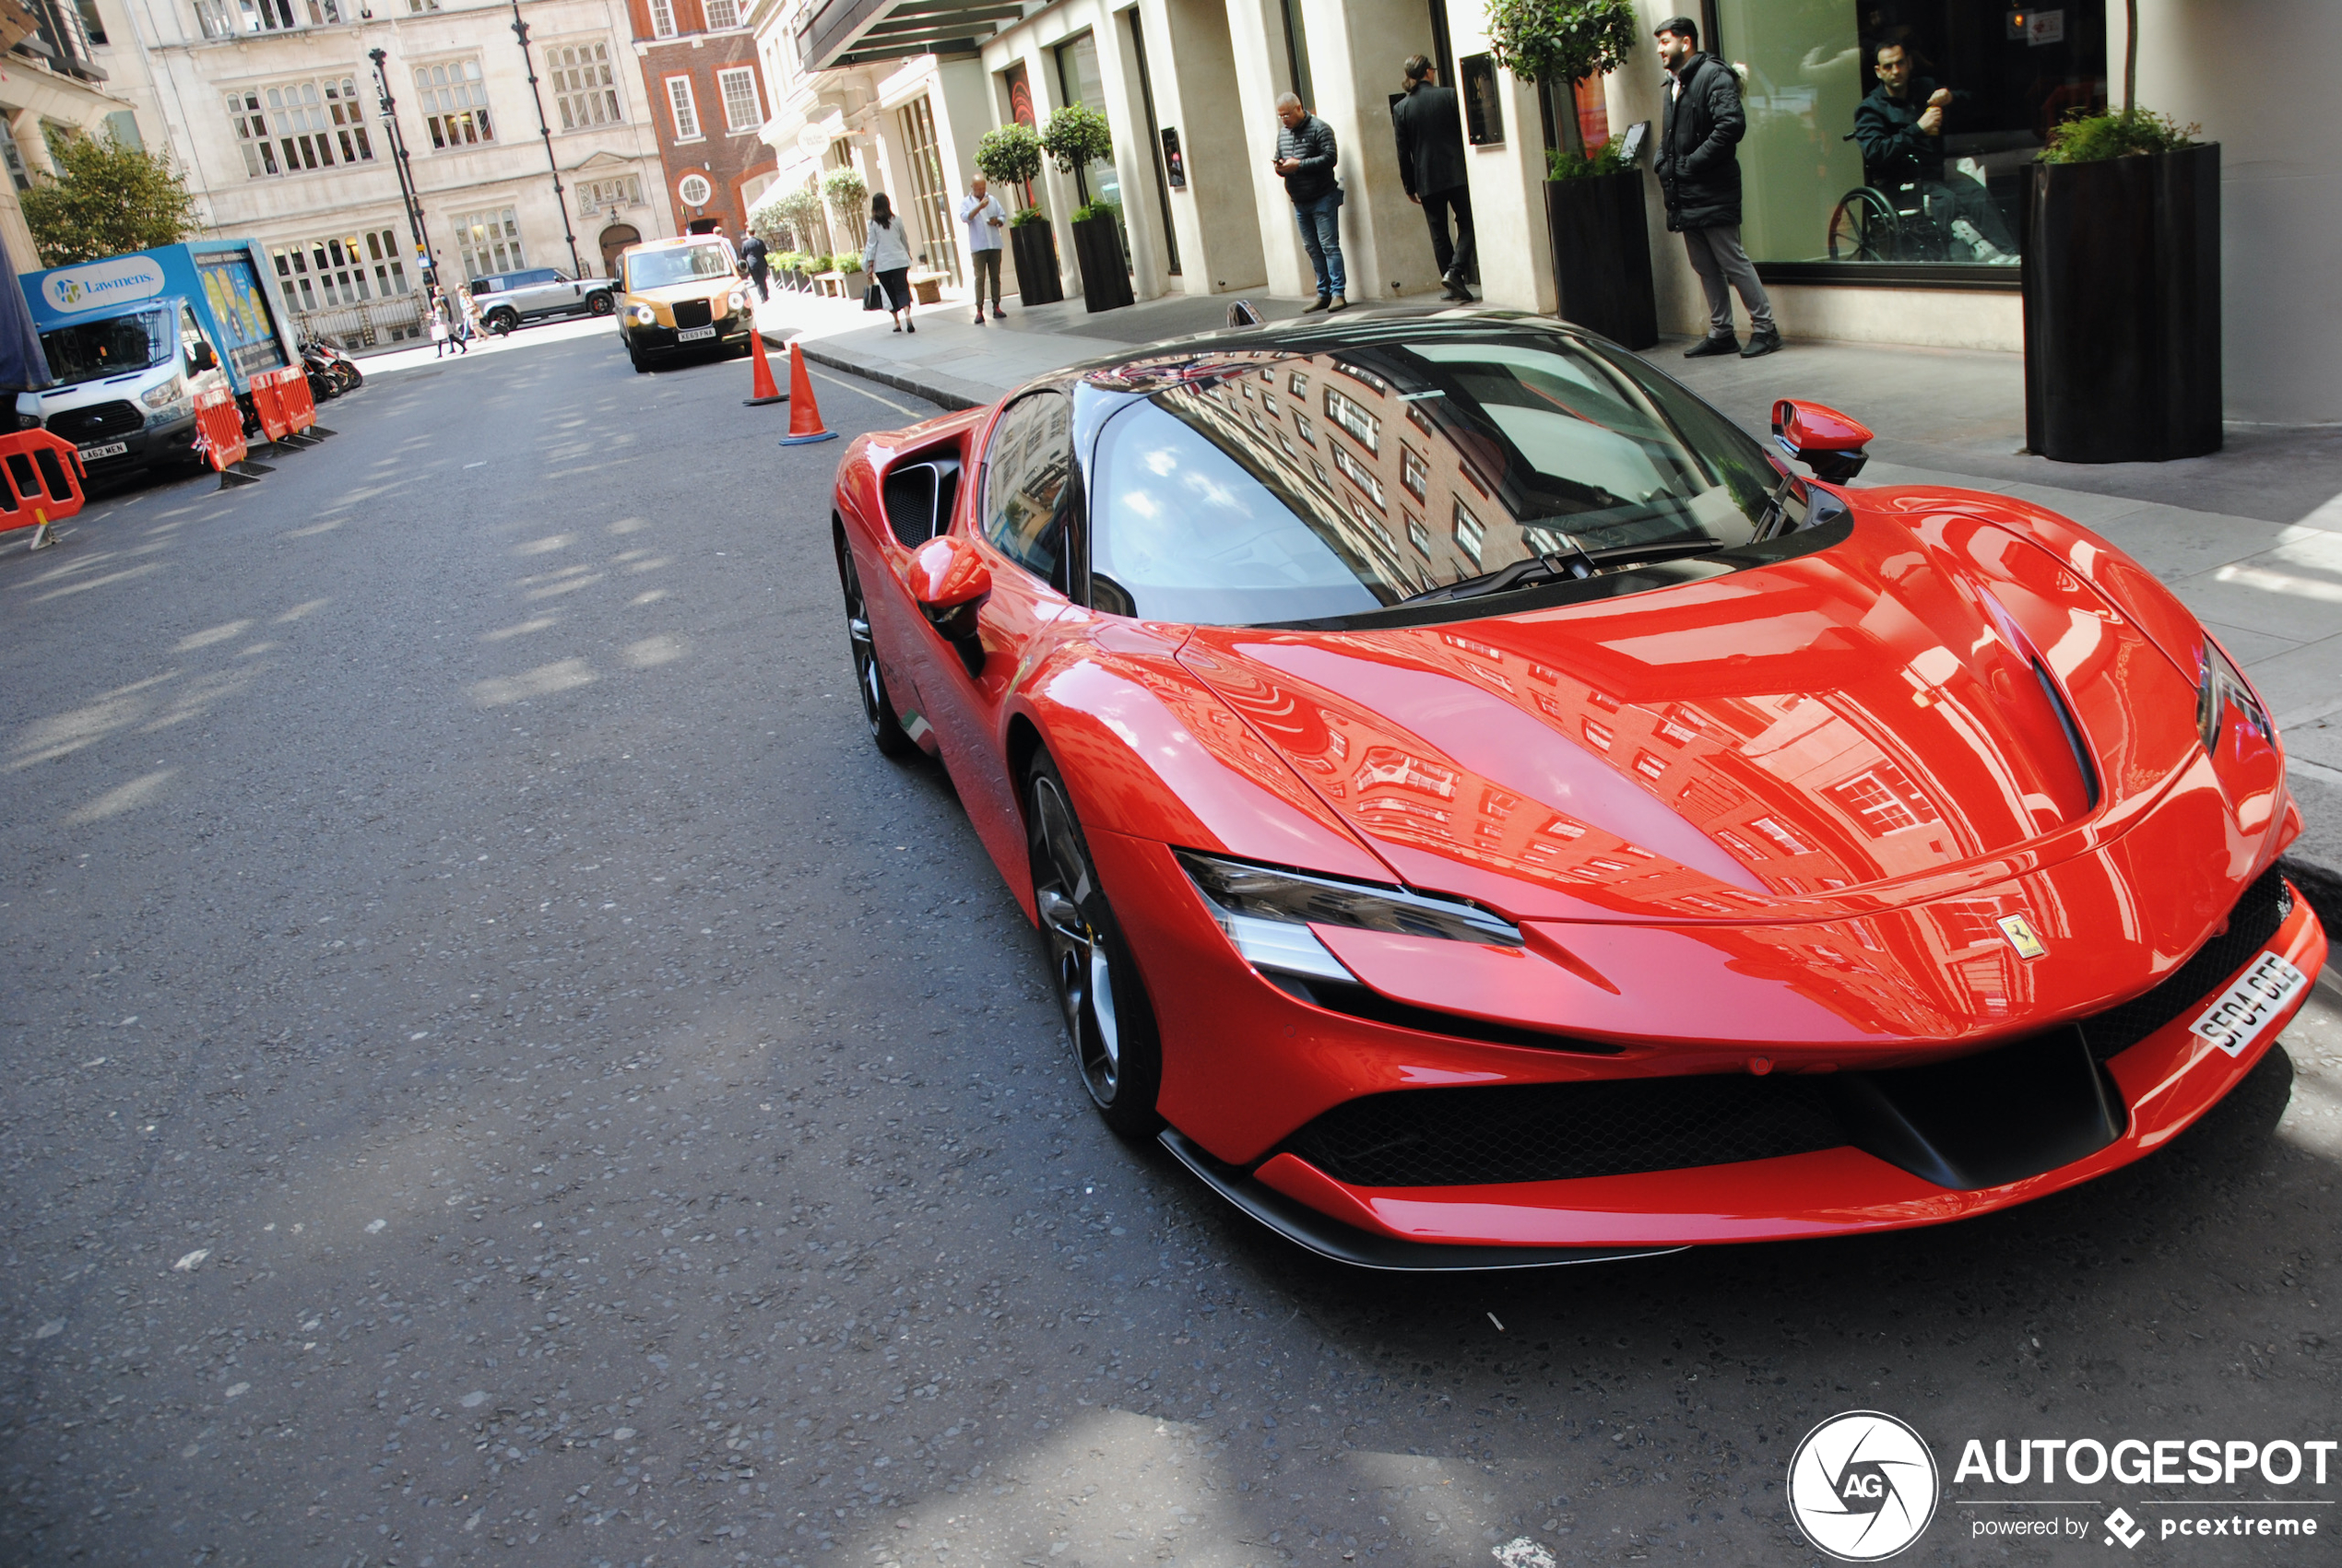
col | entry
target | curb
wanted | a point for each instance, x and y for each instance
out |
(2321, 886)
(944, 398)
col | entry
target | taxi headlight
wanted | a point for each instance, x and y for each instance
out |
(737, 301)
(642, 315)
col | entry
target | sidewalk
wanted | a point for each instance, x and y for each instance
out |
(2250, 539)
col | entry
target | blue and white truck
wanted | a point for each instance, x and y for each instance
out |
(133, 338)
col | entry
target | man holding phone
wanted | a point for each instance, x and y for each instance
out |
(982, 217)
(1306, 154)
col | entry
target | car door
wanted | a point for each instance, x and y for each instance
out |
(537, 294)
(1020, 518)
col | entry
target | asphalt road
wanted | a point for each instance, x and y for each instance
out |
(501, 1071)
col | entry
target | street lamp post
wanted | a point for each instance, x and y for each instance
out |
(520, 30)
(406, 193)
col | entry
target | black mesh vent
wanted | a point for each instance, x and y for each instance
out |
(2256, 918)
(100, 422)
(1557, 1131)
(691, 313)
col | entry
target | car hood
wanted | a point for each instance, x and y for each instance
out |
(1933, 703)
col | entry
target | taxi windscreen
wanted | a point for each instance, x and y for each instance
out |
(689, 264)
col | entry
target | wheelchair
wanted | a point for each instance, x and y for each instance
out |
(1878, 222)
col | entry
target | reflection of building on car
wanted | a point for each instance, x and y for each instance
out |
(511, 300)
(682, 295)
(1482, 810)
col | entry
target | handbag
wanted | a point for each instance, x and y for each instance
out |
(874, 297)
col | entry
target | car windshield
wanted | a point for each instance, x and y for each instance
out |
(91, 350)
(1301, 486)
(687, 264)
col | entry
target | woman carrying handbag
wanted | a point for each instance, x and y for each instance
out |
(886, 256)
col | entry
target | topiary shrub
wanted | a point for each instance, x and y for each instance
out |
(1563, 41)
(1010, 155)
(1076, 137)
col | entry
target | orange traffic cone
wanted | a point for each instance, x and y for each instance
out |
(804, 414)
(763, 391)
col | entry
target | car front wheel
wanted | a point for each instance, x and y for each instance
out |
(598, 304)
(503, 323)
(877, 707)
(1098, 990)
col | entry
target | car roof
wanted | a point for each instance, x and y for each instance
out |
(1151, 367)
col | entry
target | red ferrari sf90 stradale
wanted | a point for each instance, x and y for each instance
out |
(1485, 810)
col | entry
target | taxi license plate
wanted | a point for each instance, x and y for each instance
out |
(2233, 1020)
(695, 333)
(111, 449)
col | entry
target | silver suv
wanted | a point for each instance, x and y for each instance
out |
(510, 299)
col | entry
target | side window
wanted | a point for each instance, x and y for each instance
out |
(191, 340)
(1028, 485)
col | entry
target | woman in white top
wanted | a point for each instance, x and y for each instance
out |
(886, 256)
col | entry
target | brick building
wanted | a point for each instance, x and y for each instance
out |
(708, 98)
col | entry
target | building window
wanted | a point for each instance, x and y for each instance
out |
(695, 190)
(1356, 472)
(1469, 533)
(342, 270)
(1413, 472)
(491, 241)
(1419, 536)
(584, 87)
(625, 190)
(678, 98)
(234, 19)
(722, 15)
(1346, 412)
(741, 111)
(662, 18)
(1837, 172)
(933, 213)
(294, 127)
(455, 102)
(421, 7)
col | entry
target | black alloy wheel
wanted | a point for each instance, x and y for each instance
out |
(503, 323)
(1098, 989)
(878, 708)
(599, 304)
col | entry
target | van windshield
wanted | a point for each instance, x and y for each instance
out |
(685, 264)
(91, 350)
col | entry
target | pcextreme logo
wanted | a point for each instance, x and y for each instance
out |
(1861, 1486)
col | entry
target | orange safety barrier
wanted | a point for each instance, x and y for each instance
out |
(268, 403)
(219, 436)
(41, 475)
(292, 392)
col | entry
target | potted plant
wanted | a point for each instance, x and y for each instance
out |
(801, 210)
(848, 198)
(2122, 288)
(1075, 138)
(1010, 157)
(1595, 201)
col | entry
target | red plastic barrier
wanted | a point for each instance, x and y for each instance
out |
(40, 477)
(267, 402)
(220, 427)
(292, 392)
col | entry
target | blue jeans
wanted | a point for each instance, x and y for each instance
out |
(1320, 223)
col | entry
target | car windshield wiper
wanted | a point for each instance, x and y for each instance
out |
(1578, 564)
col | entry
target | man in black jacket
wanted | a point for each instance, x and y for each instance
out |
(1901, 128)
(1431, 165)
(1305, 159)
(1699, 175)
(758, 263)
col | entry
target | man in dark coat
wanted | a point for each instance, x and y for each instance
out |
(1431, 165)
(1699, 175)
(760, 266)
(1901, 128)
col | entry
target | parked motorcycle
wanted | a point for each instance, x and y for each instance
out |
(331, 372)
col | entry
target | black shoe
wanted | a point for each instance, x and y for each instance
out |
(979, 318)
(1324, 303)
(1761, 344)
(1341, 303)
(998, 314)
(1726, 344)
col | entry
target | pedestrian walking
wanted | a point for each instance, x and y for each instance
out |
(760, 266)
(468, 325)
(1698, 167)
(441, 331)
(1306, 154)
(886, 255)
(984, 218)
(1429, 124)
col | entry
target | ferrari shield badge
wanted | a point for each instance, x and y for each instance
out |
(2022, 936)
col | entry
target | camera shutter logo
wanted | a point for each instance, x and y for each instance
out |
(1861, 1486)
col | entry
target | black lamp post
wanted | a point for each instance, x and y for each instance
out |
(520, 30)
(406, 193)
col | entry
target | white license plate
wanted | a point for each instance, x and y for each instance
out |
(111, 449)
(695, 333)
(2244, 1008)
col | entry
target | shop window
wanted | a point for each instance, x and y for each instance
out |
(1838, 169)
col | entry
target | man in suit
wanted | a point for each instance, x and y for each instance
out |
(758, 259)
(1431, 165)
(1699, 168)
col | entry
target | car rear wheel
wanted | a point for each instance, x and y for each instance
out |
(1098, 990)
(878, 708)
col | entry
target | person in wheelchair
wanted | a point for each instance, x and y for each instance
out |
(1901, 128)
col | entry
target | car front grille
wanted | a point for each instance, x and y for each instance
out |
(100, 422)
(2258, 913)
(691, 313)
(1550, 1132)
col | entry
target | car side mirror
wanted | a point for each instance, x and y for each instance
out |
(1821, 438)
(200, 358)
(951, 582)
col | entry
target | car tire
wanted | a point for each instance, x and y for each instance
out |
(598, 304)
(634, 357)
(1100, 996)
(878, 706)
(503, 323)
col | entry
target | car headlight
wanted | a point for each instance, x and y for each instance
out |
(642, 315)
(163, 396)
(2221, 686)
(738, 300)
(1266, 913)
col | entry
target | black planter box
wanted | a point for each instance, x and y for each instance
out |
(2123, 308)
(1602, 256)
(1106, 279)
(1036, 248)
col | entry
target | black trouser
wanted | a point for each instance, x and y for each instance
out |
(758, 272)
(1455, 260)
